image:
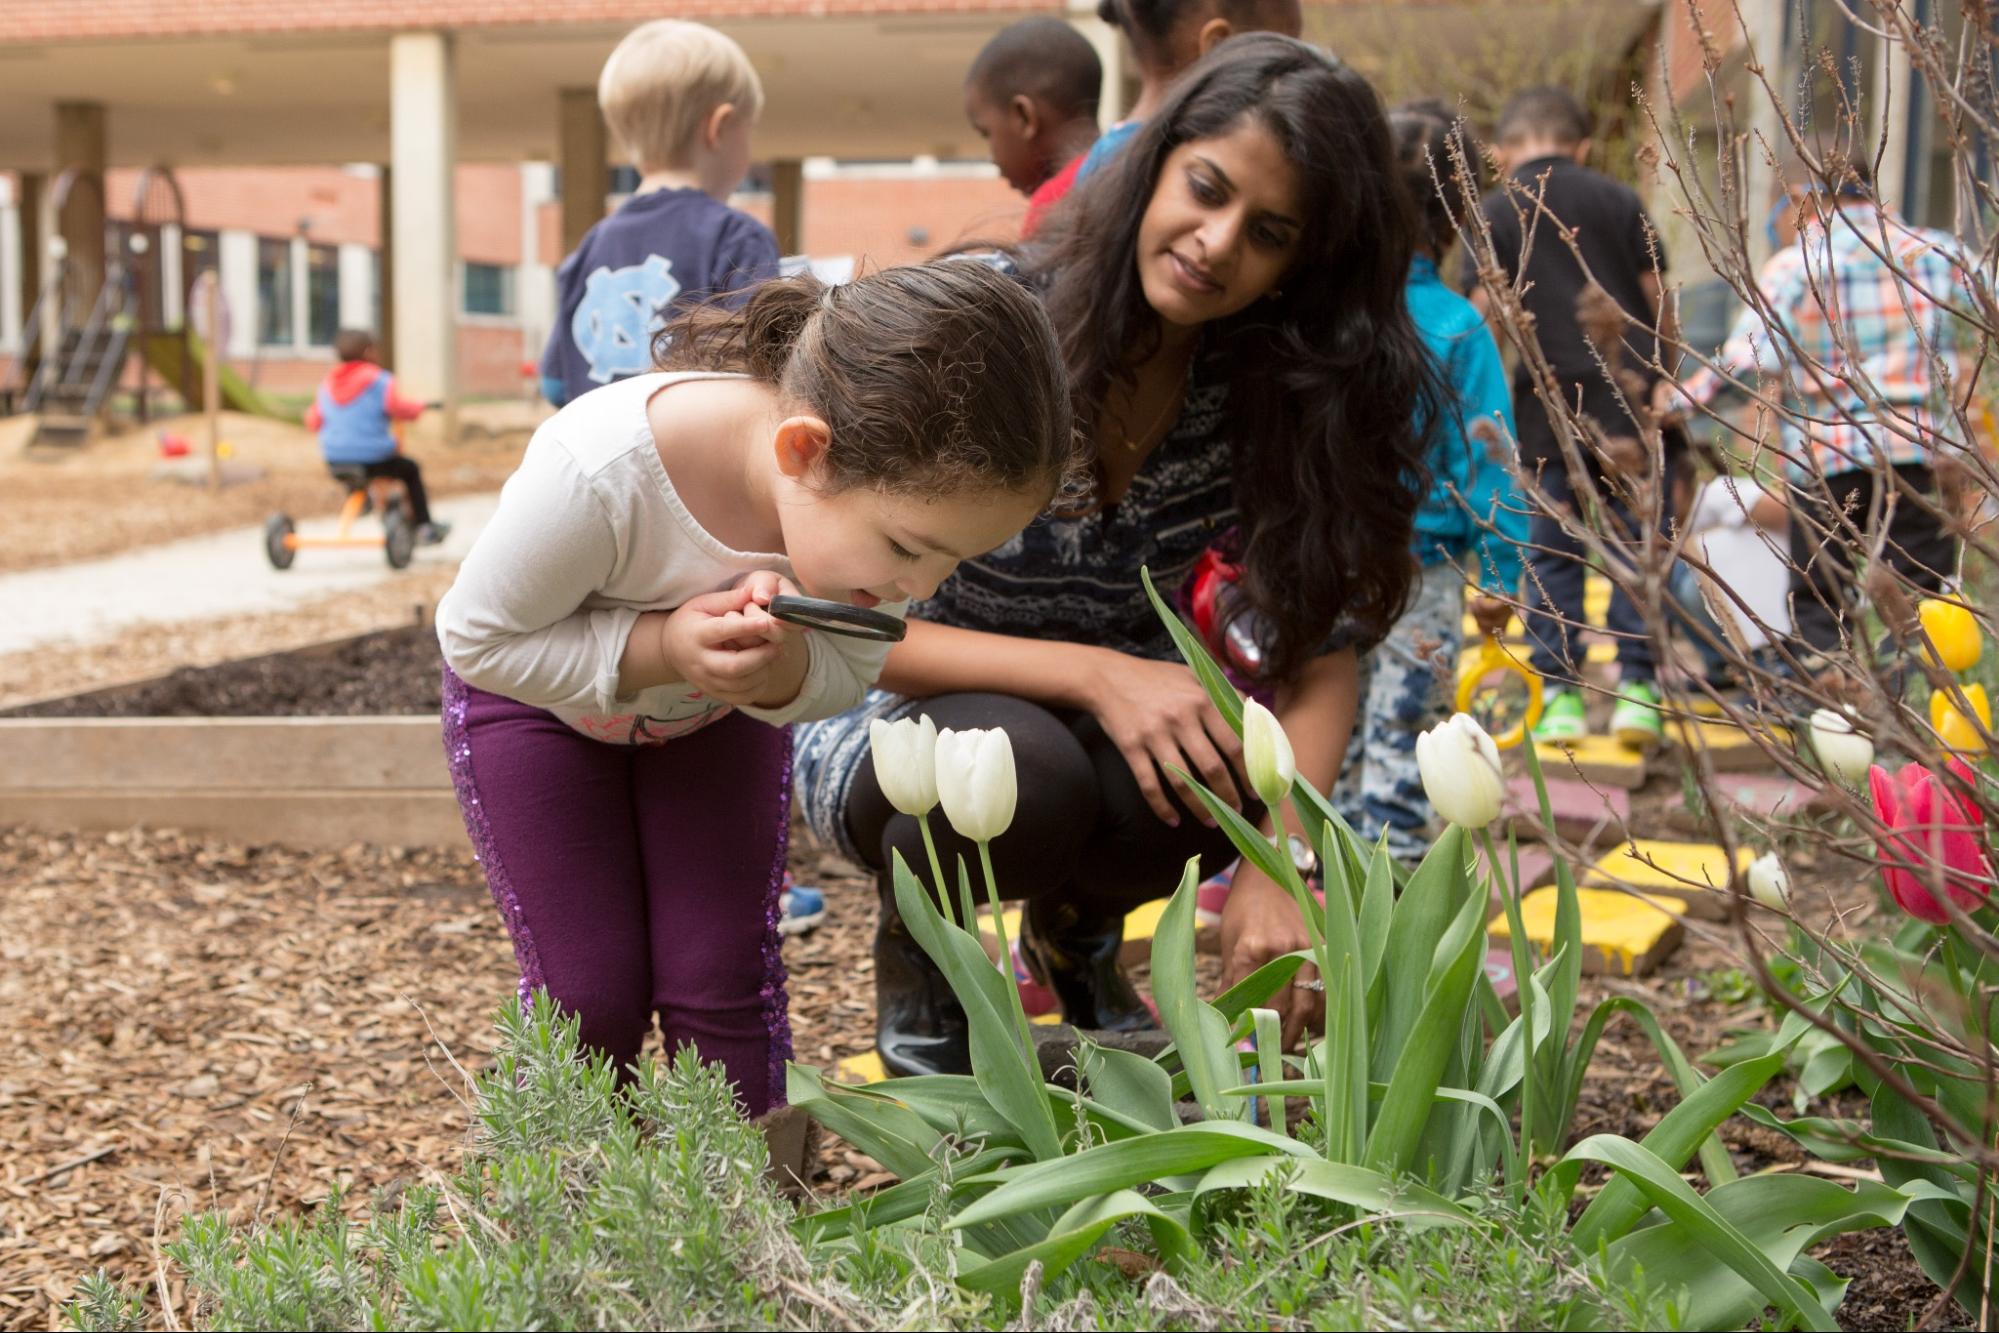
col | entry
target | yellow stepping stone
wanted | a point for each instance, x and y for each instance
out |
(1696, 873)
(1600, 759)
(1729, 748)
(867, 1067)
(1621, 934)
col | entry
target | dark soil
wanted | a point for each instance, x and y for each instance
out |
(395, 671)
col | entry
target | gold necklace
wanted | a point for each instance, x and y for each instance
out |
(1174, 400)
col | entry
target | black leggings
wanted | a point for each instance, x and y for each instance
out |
(1082, 830)
(1824, 587)
(405, 471)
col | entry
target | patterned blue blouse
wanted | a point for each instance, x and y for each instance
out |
(1074, 580)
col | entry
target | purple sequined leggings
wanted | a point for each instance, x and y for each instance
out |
(637, 879)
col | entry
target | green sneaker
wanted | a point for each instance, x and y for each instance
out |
(1636, 721)
(1562, 721)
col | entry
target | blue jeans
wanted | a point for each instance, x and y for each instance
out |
(1556, 571)
(1685, 585)
(1403, 692)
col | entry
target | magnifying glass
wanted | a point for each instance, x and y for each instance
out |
(857, 622)
(1501, 691)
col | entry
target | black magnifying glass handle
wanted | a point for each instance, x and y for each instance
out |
(856, 622)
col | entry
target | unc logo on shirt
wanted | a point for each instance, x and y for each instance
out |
(620, 309)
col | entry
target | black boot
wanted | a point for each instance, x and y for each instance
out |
(1074, 952)
(919, 1026)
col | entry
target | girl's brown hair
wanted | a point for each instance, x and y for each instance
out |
(934, 377)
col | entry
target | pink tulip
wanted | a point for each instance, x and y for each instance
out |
(1929, 825)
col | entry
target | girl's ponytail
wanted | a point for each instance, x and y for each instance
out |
(756, 339)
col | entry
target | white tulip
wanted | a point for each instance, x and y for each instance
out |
(906, 762)
(1460, 768)
(1266, 753)
(1768, 884)
(975, 781)
(1844, 754)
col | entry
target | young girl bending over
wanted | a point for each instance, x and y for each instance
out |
(617, 697)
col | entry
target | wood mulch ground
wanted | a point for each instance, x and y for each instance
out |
(194, 1025)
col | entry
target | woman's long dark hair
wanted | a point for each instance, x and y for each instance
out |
(1327, 375)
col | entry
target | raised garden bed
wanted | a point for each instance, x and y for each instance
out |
(320, 747)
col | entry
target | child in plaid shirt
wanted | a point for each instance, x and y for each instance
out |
(1866, 360)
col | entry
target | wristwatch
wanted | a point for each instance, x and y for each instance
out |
(1302, 855)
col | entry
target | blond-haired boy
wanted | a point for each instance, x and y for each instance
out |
(681, 99)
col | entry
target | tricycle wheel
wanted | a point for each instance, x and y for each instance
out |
(398, 539)
(276, 529)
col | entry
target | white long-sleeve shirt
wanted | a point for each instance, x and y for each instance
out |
(590, 533)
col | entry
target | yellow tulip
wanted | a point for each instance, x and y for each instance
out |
(1954, 727)
(1953, 632)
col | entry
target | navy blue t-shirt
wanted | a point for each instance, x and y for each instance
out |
(662, 249)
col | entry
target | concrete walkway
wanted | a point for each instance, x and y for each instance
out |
(202, 577)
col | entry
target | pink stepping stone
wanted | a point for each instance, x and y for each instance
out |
(1580, 809)
(1762, 795)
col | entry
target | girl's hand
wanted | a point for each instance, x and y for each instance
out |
(1259, 923)
(1157, 714)
(727, 646)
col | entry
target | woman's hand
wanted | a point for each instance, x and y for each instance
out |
(1491, 615)
(1157, 714)
(1259, 923)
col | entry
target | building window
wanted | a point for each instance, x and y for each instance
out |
(489, 289)
(322, 294)
(274, 292)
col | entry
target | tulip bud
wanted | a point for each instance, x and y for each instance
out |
(1844, 754)
(1955, 729)
(1953, 632)
(905, 762)
(1266, 753)
(975, 781)
(1768, 884)
(1460, 768)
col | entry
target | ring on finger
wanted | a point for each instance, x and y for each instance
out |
(1313, 985)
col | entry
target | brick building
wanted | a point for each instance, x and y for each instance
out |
(299, 251)
(455, 146)
(475, 155)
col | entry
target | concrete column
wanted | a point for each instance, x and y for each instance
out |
(30, 199)
(1109, 44)
(1890, 110)
(236, 261)
(12, 308)
(80, 143)
(1771, 46)
(357, 276)
(787, 205)
(384, 317)
(301, 267)
(583, 147)
(423, 161)
(173, 277)
(534, 281)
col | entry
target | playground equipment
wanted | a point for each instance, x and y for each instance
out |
(1501, 691)
(92, 312)
(74, 340)
(398, 539)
